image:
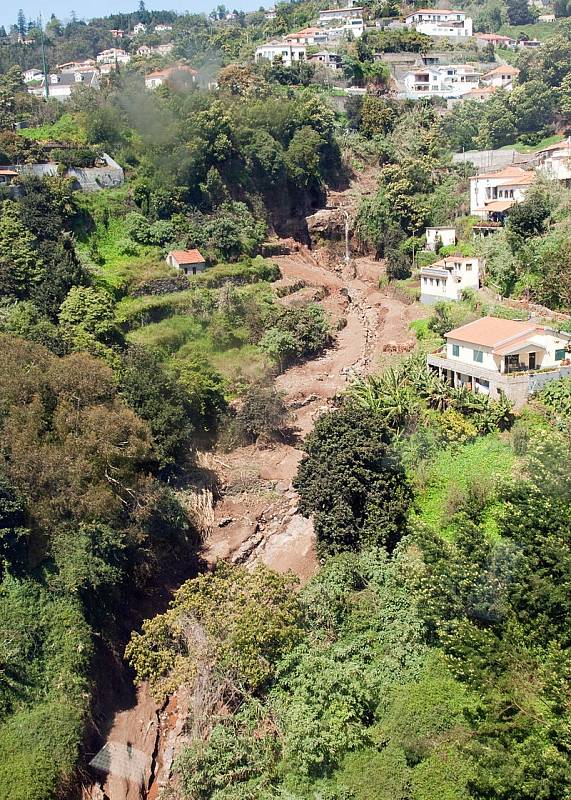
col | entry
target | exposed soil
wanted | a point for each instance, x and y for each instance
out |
(256, 518)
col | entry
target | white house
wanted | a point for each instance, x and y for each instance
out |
(443, 235)
(114, 55)
(287, 52)
(139, 28)
(32, 75)
(305, 36)
(61, 86)
(161, 28)
(188, 261)
(492, 355)
(440, 22)
(117, 33)
(329, 15)
(555, 161)
(443, 80)
(492, 194)
(180, 75)
(447, 279)
(502, 77)
(483, 39)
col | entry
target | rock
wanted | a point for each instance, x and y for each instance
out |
(305, 401)
(225, 521)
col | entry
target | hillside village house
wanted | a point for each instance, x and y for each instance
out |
(87, 65)
(32, 75)
(555, 161)
(139, 28)
(114, 55)
(444, 80)
(447, 279)
(146, 50)
(331, 60)
(491, 355)
(329, 15)
(180, 75)
(60, 86)
(443, 235)
(501, 77)
(440, 22)
(306, 36)
(287, 52)
(190, 262)
(161, 28)
(117, 33)
(483, 39)
(7, 175)
(479, 93)
(341, 21)
(492, 194)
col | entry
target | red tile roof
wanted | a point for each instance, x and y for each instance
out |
(6, 171)
(187, 256)
(493, 332)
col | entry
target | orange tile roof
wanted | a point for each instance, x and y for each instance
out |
(6, 171)
(187, 256)
(493, 332)
(503, 69)
(513, 175)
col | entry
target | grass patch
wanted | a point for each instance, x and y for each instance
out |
(453, 471)
(539, 30)
(66, 129)
(532, 148)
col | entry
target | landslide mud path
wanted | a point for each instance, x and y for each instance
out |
(257, 518)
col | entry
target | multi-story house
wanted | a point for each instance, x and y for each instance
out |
(555, 161)
(62, 85)
(440, 22)
(443, 80)
(491, 356)
(288, 53)
(492, 194)
(502, 77)
(114, 55)
(447, 279)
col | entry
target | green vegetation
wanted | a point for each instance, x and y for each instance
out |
(427, 658)
(447, 481)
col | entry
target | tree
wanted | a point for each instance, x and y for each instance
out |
(303, 158)
(262, 414)
(158, 398)
(348, 480)
(529, 218)
(228, 628)
(519, 12)
(21, 267)
(88, 311)
(21, 23)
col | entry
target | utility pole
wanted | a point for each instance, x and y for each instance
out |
(44, 62)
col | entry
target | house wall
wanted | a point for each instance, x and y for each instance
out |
(446, 235)
(479, 194)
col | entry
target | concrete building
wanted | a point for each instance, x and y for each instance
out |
(331, 60)
(190, 262)
(287, 52)
(555, 161)
(445, 235)
(31, 75)
(442, 80)
(440, 22)
(447, 279)
(139, 28)
(161, 28)
(62, 85)
(329, 15)
(114, 55)
(492, 194)
(501, 77)
(492, 355)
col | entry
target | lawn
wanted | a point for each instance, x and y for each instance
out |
(533, 148)
(453, 470)
(539, 30)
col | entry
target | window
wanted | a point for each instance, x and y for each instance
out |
(468, 268)
(560, 354)
(456, 350)
(478, 356)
